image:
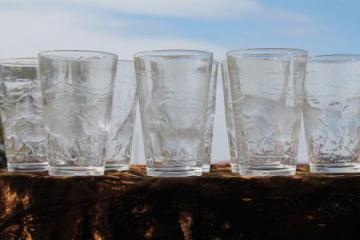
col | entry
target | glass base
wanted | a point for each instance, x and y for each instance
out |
(266, 170)
(117, 167)
(234, 168)
(206, 168)
(27, 167)
(76, 171)
(175, 172)
(335, 168)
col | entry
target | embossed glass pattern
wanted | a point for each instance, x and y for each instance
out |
(210, 118)
(173, 97)
(21, 113)
(229, 115)
(119, 139)
(332, 113)
(77, 89)
(267, 94)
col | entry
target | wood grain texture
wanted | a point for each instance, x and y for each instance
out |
(218, 205)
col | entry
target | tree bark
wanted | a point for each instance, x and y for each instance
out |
(218, 205)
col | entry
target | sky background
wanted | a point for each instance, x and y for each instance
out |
(125, 27)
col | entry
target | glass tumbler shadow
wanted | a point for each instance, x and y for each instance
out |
(267, 95)
(332, 113)
(77, 90)
(21, 113)
(210, 119)
(173, 97)
(229, 116)
(119, 139)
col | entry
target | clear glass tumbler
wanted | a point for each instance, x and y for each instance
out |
(229, 115)
(77, 88)
(173, 97)
(21, 113)
(210, 118)
(267, 95)
(119, 139)
(332, 113)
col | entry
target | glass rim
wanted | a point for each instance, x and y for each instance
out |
(61, 55)
(172, 53)
(125, 61)
(334, 58)
(20, 62)
(267, 52)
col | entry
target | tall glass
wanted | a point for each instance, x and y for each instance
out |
(21, 114)
(230, 122)
(119, 139)
(173, 98)
(2, 143)
(332, 113)
(77, 88)
(210, 119)
(267, 94)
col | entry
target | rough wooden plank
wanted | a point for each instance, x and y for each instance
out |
(218, 205)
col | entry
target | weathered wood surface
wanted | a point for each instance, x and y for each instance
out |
(218, 205)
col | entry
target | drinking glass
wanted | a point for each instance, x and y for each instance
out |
(210, 119)
(21, 114)
(2, 143)
(77, 88)
(267, 94)
(173, 97)
(119, 139)
(332, 113)
(229, 115)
